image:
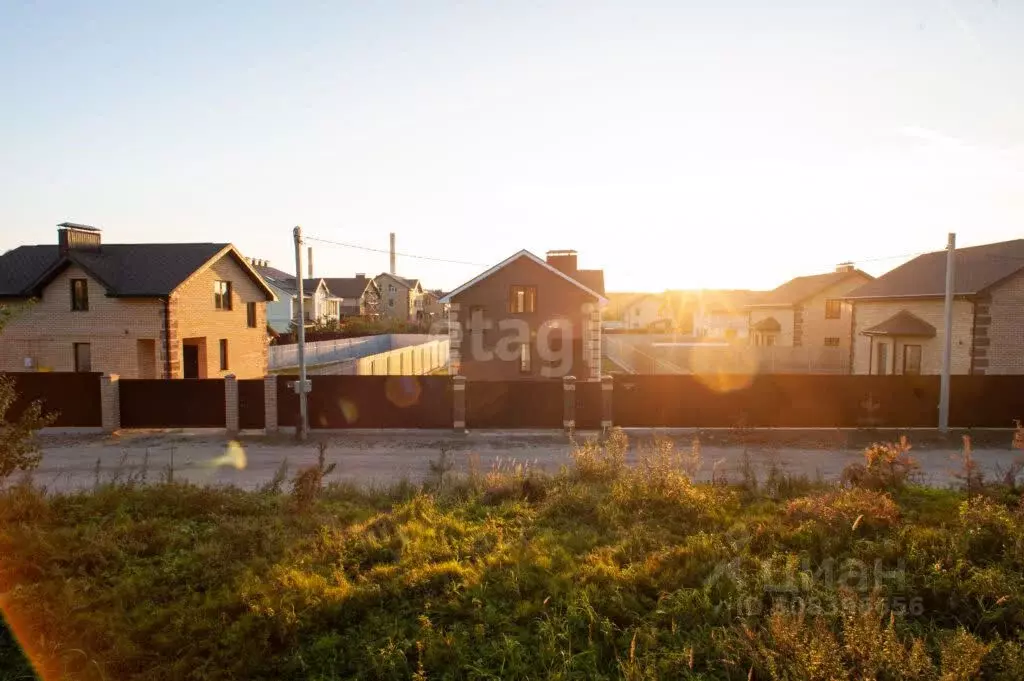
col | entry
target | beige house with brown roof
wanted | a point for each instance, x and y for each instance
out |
(400, 298)
(899, 325)
(193, 310)
(807, 311)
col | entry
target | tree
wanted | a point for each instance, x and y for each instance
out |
(19, 449)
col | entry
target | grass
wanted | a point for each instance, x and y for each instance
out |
(603, 571)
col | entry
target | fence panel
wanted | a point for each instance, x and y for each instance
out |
(73, 397)
(381, 402)
(588, 405)
(514, 404)
(251, 403)
(287, 401)
(986, 401)
(176, 403)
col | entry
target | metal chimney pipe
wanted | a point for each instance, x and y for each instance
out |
(393, 253)
(309, 258)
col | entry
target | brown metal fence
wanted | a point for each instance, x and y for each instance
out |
(162, 403)
(588, 405)
(73, 397)
(370, 402)
(514, 404)
(251, 403)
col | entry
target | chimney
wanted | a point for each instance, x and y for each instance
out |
(309, 261)
(564, 261)
(392, 253)
(845, 267)
(361, 275)
(74, 237)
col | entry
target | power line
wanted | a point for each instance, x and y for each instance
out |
(384, 250)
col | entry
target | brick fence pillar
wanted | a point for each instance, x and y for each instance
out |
(569, 402)
(270, 404)
(231, 404)
(607, 385)
(459, 402)
(110, 402)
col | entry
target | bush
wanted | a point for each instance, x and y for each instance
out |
(846, 509)
(19, 450)
(886, 466)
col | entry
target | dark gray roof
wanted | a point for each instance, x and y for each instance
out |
(977, 268)
(802, 288)
(768, 324)
(902, 323)
(122, 269)
(348, 287)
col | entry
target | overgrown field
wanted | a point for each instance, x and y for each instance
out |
(602, 571)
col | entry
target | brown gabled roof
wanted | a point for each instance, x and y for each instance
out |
(802, 288)
(530, 256)
(124, 270)
(976, 269)
(592, 279)
(902, 323)
(348, 287)
(768, 324)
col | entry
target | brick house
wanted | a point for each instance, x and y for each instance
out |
(646, 310)
(527, 318)
(899, 318)
(136, 310)
(401, 299)
(320, 304)
(807, 311)
(359, 295)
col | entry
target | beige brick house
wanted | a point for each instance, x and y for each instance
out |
(807, 311)
(899, 325)
(192, 310)
(400, 298)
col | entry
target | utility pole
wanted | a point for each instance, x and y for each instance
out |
(302, 386)
(947, 345)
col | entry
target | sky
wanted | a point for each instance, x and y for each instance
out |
(673, 144)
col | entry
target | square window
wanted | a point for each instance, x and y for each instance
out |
(250, 315)
(223, 354)
(222, 295)
(832, 342)
(522, 299)
(79, 295)
(833, 308)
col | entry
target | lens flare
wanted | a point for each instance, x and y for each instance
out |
(403, 391)
(349, 410)
(234, 455)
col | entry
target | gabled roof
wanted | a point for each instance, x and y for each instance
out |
(592, 279)
(976, 269)
(124, 270)
(348, 287)
(509, 260)
(902, 323)
(287, 282)
(801, 288)
(768, 324)
(404, 281)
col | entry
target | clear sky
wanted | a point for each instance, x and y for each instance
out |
(674, 145)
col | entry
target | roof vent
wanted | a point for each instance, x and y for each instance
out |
(845, 267)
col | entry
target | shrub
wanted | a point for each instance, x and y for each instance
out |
(309, 481)
(19, 450)
(846, 509)
(601, 461)
(887, 466)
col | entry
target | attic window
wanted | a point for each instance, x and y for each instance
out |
(833, 308)
(522, 299)
(79, 295)
(222, 295)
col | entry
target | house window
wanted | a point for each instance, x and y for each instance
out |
(222, 295)
(882, 359)
(250, 315)
(912, 360)
(524, 358)
(833, 308)
(476, 318)
(223, 354)
(391, 288)
(832, 342)
(79, 295)
(768, 340)
(391, 302)
(83, 357)
(522, 299)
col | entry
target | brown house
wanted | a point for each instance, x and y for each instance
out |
(359, 295)
(528, 318)
(191, 310)
(899, 318)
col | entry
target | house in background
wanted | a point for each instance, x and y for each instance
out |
(558, 303)
(188, 310)
(320, 305)
(433, 309)
(401, 299)
(723, 315)
(645, 311)
(807, 311)
(899, 322)
(359, 295)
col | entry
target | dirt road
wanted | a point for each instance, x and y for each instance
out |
(77, 461)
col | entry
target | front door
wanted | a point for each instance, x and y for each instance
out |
(190, 360)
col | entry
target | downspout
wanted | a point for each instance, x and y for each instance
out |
(871, 353)
(167, 337)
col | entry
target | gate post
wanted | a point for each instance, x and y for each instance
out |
(270, 404)
(231, 405)
(607, 386)
(459, 402)
(569, 402)
(110, 402)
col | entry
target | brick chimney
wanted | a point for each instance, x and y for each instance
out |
(845, 267)
(75, 237)
(564, 261)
